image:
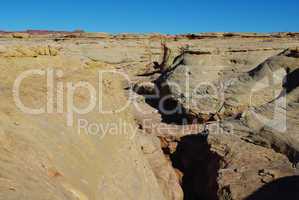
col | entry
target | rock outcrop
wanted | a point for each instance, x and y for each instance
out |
(232, 134)
(43, 158)
(254, 99)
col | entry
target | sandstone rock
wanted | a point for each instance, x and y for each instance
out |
(24, 51)
(166, 176)
(41, 157)
(227, 164)
(198, 80)
(275, 151)
(262, 84)
(96, 35)
(245, 163)
(21, 35)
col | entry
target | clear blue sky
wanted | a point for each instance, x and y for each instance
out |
(165, 16)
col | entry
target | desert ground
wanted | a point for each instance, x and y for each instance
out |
(96, 116)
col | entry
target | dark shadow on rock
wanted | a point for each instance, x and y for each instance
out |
(171, 112)
(286, 188)
(291, 81)
(293, 53)
(199, 165)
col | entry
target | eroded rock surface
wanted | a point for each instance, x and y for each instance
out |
(254, 141)
(157, 155)
(43, 158)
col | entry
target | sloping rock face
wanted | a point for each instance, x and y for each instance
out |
(201, 81)
(200, 84)
(162, 168)
(263, 84)
(267, 97)
(192, 83)
(43, 158)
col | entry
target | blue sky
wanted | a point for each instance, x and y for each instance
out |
(165, 16)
